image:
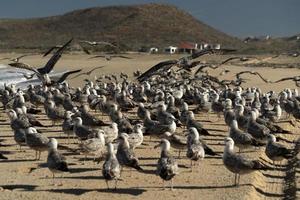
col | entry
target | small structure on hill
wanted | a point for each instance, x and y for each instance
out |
(153, 50)
(171, 49)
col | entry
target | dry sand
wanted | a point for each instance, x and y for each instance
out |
(24, 178)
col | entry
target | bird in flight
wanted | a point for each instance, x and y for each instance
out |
(88, 73)
(43, 72)
(94, 43)
(109, 57)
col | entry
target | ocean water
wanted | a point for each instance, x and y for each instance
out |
(10, 75)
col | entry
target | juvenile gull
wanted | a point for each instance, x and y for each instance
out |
(242, 140)
(93, 146)
(125, 154)
(56, 162)
(110, 132)
(111, 167)
(238, 164)
(36, 141)
(276, 151)
(195, 150)
(136, 138)
(177, 141)
(167, 166)
(67, 125)
(54, 113)
(81, 131)
(192, 122)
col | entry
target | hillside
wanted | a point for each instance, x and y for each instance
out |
(128, 26)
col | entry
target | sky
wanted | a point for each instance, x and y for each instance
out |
(239, 18)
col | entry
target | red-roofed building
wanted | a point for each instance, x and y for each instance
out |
(187, 47)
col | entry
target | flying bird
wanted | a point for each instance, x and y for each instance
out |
(88, 73)
(51, 49)
(109, 57)
(94, 43)
(42, 73)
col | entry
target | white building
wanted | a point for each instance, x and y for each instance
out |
(171, 49)
(153, 50)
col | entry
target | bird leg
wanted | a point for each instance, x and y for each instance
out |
(235, 179)
(106, 181)
(36, 155)
(191, 165)
(172, 185)
(116, 182)
(39, 155)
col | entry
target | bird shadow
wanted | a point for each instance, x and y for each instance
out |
(83, 177)
(19, 186)
(209, 187)
(80, 170)
(78, 191)
(215, 130)
(273, 176)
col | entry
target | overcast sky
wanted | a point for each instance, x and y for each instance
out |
(236, 17)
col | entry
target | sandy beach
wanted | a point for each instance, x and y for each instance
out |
(23, 178)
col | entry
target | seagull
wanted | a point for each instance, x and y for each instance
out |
(94, 43)
(17, 59)
(111, 169)
(166, 65)
(242, 139)
(125, 154)
(177, 141)
(56, 162)
(36, 141)
(238, 164)
(52, 49)
(43, 72)
(167, 167)
(88, 73)
(195, 149)
(109, 57)
(93, 146)
(276, 151)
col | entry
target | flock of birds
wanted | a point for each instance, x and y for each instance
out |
(161, 100)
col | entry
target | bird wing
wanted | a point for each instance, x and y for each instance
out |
(285, 79)
(105, 43)
(49, 51)
(65, 75)
(95, 68)
(199, 53)
(120, 56)
(53, 60)
(98, 56)
(162, 65)
(23, 66)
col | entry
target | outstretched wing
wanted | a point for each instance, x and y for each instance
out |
(285, 79)
(53, 60)
(199, 53)
(238, 75)
(98, 56)
(123, 57)
(50, 50)
(165, 65)
(23, 66)
(95, 68)
(65, 75)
